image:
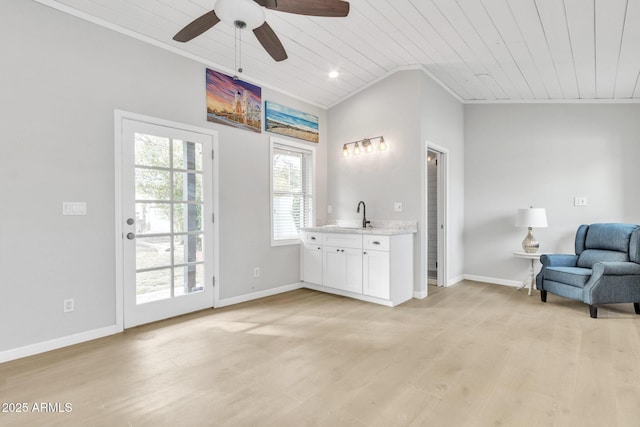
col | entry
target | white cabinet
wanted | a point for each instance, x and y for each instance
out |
(311, 257)
(311, 268)
(374, 268)
(342, 262)
(342, 268)
(375, 274)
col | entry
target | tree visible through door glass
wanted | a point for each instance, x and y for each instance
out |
(169, 205)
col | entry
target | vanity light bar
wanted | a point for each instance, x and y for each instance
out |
(367, 146)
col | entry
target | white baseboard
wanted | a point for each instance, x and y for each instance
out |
(456, 280)
(260, 294)
(493, 280)
(41, 347)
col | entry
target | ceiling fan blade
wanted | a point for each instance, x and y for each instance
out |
(330, 8)
(197, 27)
(269, 4)
(270, 41)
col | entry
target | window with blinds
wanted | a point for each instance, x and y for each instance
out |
(291, 191)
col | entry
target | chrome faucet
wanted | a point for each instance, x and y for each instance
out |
(364, 214)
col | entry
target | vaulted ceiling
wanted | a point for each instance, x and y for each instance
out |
(480, 50)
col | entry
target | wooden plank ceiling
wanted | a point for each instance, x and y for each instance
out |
(481, 50)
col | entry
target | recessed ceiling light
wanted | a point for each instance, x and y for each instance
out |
(333, 74)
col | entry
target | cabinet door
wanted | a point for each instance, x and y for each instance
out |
(376, 274)
(312, 264)
(353, 270)
(333, 267)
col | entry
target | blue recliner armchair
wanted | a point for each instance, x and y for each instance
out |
(604, 270)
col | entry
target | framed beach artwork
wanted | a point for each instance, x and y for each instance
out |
(233, 102)
(289, 122)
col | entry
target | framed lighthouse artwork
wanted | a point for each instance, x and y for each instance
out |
(233, 102)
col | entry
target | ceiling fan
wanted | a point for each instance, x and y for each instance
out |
(250, 14)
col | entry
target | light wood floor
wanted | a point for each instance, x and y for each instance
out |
(471, 355)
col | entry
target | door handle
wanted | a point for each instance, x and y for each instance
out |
(131, 236)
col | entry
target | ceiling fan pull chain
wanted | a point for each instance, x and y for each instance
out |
(235, 50)
(240, 50)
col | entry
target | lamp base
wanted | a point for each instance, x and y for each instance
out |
(530, 244)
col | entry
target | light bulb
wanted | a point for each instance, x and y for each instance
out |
(345, 151)
(382, 146)
(356, 150)
(368, 147)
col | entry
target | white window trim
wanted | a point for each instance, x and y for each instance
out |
(300, 146)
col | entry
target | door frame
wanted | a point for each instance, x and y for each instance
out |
(443, 216)
(119, 117)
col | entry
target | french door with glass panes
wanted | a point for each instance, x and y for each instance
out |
(167, 221)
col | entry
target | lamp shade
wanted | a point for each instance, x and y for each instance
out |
(531, 217)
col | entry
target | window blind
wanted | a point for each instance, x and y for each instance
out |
(292, 186)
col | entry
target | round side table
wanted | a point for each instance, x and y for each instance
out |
(532, 257)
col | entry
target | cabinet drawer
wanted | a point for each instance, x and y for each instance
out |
(343, 240)
(377, 243)
(310, 237)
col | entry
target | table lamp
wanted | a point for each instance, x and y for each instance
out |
(531, 217)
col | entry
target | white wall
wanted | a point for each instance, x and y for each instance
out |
(544, 155)
(406, 108)
(61, 80)
(442, 123)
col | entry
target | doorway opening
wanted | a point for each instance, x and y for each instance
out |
(436, 229)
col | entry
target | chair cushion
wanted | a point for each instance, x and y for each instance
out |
(613, 237)
(573, 276)
(591, 256)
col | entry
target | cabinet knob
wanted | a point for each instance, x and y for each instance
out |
(376, 243)
(364, 253)
(313, 238)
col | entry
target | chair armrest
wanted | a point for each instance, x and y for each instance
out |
(558, 260)
(616, 268)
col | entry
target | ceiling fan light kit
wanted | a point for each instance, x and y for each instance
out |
(250, 14)
(246, 11)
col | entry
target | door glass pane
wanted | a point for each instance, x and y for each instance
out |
(152, 218)
(169, 225)
(188, 248)
(152, 252)
(153, 184)
(187, 186)
(151, 150)
(188, 279)
(153, 285)
(187, 155)
(187, 217)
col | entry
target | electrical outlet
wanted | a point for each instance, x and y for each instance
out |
(256, 272)
(68, 305)
(329, 209)
(397, 206)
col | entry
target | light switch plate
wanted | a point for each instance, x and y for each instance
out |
(397, 206)
(580, 201)
(74, 208)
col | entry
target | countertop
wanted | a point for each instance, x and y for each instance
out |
(354, 230)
